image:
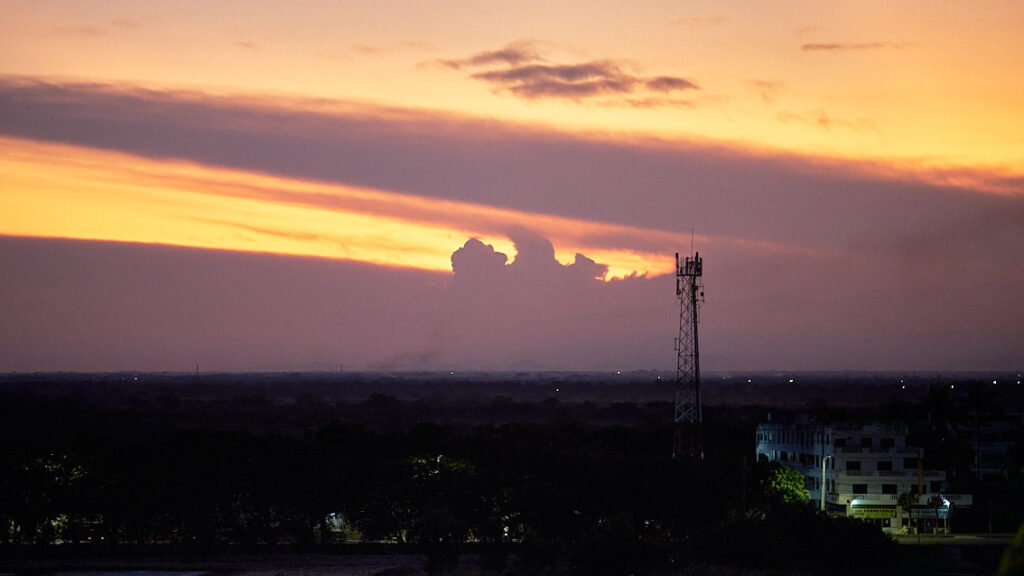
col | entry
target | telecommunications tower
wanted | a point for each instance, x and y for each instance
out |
(687, 440)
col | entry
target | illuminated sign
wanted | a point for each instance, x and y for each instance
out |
(928, 512)
(872, 511)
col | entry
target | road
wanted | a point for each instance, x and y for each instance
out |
(955, 539)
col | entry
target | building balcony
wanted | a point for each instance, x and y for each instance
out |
(901, 451)
(844, 497)
(931, 474)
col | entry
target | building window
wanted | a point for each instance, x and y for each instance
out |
(887, 442)
(936, 485)
(865, 442)
(810, 482)
(840, 442)
(860, 488)
(853, 465)
(909, 463)
(885, 465)
(888, 489)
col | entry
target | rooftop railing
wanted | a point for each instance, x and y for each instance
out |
(876, 450)
(893, 473)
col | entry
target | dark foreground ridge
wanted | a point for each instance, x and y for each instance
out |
(480, 474)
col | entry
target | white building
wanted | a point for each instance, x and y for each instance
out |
(863, 468)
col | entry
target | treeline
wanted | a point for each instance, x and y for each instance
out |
(565, 493)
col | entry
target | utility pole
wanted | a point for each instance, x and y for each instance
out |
(824, 459)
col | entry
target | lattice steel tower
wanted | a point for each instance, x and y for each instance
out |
(688, 440)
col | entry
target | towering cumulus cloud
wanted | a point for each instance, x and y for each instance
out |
(477, 260)
(536, 312)
(534, 264)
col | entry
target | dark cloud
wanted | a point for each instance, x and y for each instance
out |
(476, 259)
(519, 69)
(537, 312)
(83, 305)
(119, 306)
(534, 262)
(80, 305)
(533, 253)
(871, 271)
(723, 191)
(573, 82)
(588, 269)
(669, 84)
(514, 54)
(837, 46)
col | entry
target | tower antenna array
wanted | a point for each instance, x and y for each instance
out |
(688, 439)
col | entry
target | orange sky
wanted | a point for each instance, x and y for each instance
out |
(74, 192)
(919, 88)
(879, 79)
(836, 163)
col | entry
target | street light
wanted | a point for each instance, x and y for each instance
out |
(823, 460)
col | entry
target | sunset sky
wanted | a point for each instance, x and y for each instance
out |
(474, 185)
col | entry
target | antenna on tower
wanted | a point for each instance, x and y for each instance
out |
(688, 438)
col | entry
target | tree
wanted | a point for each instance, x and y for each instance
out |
(1012, 563)
(781, 484)
(906, 500)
